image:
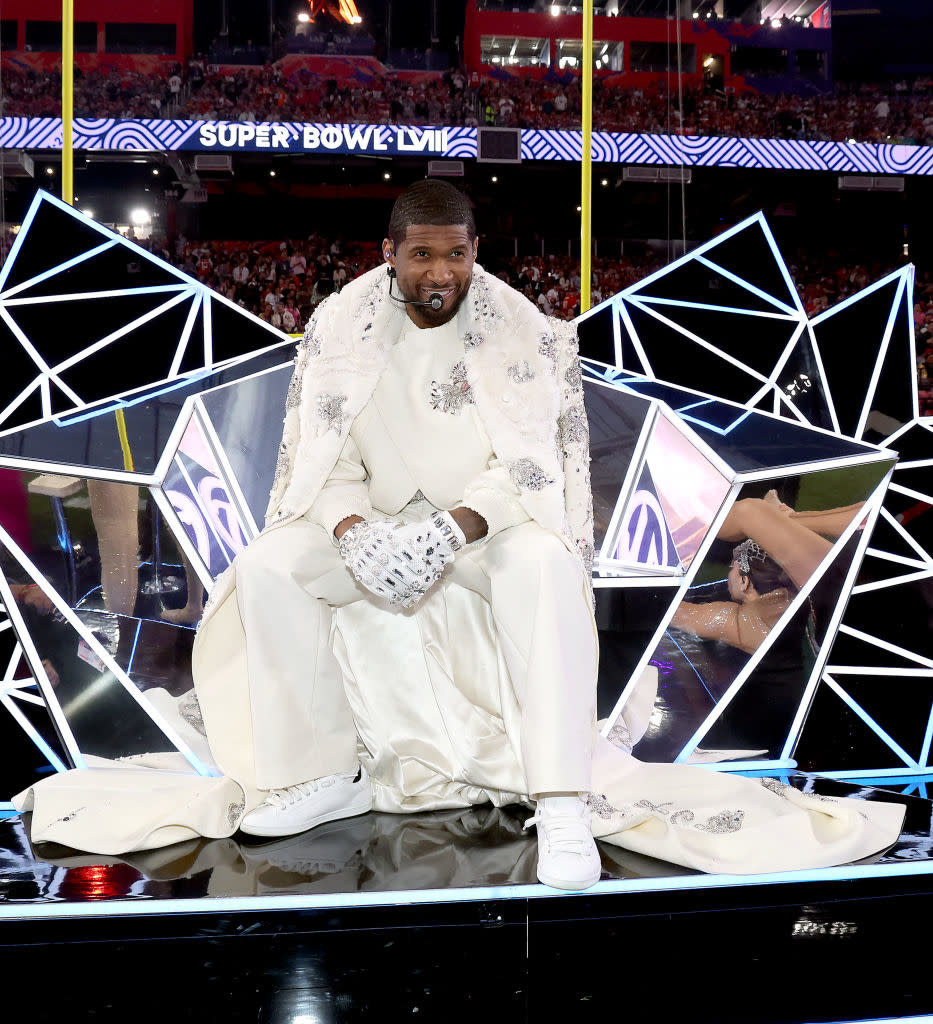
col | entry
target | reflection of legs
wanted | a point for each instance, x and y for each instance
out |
(115, 510)
(194, 588)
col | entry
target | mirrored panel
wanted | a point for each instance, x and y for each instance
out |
(740, 636)
(677, 495)
(247, 422)
(202, 500)
(616, 418)
(103, 604)
(99, 438)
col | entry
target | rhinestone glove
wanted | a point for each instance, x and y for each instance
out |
(401, 562)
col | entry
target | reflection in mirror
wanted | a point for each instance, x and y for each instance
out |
(92, 573)
(775, 540)
(677, 496)
(616, 418)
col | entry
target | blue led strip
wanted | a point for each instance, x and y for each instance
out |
(45, 275)
(482, 893)
(881, 733)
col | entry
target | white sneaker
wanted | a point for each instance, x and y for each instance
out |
(286, 812)
(567, 853)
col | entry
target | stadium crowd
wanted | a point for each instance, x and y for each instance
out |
(898, 112)
(283, 281)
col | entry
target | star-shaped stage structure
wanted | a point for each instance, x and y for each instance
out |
(156, 402)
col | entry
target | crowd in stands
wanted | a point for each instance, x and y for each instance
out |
(898, 112)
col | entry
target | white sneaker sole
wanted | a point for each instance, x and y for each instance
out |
(570, 886)
(363, 805)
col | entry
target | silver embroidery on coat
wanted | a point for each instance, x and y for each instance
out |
(453, 394)
(234, 811)
(724, 822)
(619, 735)
(293, 397)
(330, 409)
(472, 340)
(572, 427)
(599, 805)
(190, 711)
(527, 475)
(521, 372)
(587, 555)
(547, 347)
(777, 788)
(574, 376)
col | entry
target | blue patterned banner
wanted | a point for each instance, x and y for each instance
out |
(460, 143)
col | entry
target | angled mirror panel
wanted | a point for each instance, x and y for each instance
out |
(134, 360)
(94, 598)
(247, 422)
(52, 237)
(91, 437)
(88, 322)
(235, 332)
(801, 381)
(596, 334)
(677, 496)
(676, 358)
(121, 266)
(200, 496)
(750, 255)
(865, 316)
(616, 419)
(755, 341)
(695, 281)
(760, 442)
(746, 617)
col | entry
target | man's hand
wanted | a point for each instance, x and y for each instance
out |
(400, 563)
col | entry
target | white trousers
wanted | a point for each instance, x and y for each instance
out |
(266, 653)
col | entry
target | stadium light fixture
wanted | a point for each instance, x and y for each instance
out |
(555, 11)
(140, 216)
(304, 17)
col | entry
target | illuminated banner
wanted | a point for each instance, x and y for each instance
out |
(153, 135)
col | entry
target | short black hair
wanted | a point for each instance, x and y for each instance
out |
(430, 202)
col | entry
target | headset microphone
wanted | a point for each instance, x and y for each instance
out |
(435, 299)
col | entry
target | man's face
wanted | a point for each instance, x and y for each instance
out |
(433, 259)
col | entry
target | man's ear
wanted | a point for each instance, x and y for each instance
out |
(388, 251)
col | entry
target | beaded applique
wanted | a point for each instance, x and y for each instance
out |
(330, 409)
(527, 475)
(620, 736)
(572, 427)
(574, 376)
(472, 340)
(547, 347)
(293, 397)
(190, 711)
(234, 811)
(777, 788)
(521, 372)
(453, 394)
(599, 805)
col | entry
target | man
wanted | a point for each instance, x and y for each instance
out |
(416, 450)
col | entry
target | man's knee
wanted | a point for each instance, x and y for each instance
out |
(280, 552)
(531, 551)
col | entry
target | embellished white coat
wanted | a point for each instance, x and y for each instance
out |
(524, 375)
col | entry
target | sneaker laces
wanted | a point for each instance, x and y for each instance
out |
(290, 795)
(566, 833)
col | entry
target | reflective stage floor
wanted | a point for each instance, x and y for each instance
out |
(439, 917)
